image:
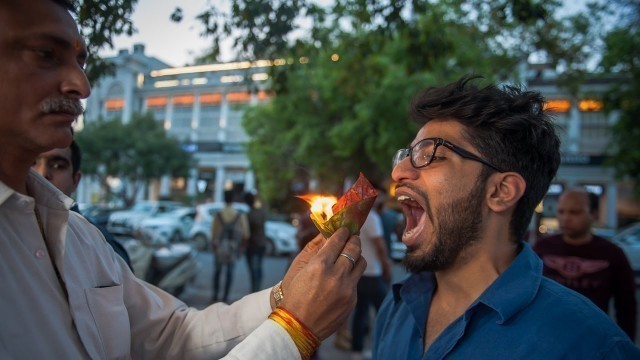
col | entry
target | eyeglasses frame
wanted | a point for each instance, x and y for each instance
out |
(408, 152)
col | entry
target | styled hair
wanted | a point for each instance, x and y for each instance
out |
(508, 126)
(69, 5)
(76, 157)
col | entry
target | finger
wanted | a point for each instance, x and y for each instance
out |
(358, 270)
(334, 245)
(315, 244)
(351, 251)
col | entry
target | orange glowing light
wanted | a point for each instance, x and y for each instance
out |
(590, 105)
(321, 206)
(558, 105)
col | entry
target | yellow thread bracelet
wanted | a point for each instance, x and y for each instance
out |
(306, 341)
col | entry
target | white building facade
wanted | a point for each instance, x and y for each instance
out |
(203, 105)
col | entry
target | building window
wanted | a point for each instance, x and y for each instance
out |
(181, 117)
(210, 117)
(594, 132)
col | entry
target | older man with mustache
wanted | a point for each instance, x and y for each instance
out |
(66, 295)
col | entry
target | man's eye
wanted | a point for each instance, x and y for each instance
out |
(58, 165)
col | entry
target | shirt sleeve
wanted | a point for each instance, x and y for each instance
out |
(268, 341)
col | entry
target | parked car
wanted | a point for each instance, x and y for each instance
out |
(173, 226)
(127, 222)
(629, 240)
(99, 214)
(281, 235)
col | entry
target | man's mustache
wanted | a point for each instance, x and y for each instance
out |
(62, 105)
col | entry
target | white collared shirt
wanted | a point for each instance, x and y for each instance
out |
(109, 312)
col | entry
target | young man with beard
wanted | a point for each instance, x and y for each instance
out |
(468, 184)
(66, 295)
(586, 263)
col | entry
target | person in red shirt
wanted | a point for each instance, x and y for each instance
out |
(586, 263)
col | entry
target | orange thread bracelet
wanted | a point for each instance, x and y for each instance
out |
(306, 341)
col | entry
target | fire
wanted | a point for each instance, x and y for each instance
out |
(320, 205)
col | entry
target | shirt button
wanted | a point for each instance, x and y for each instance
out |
(40, 253)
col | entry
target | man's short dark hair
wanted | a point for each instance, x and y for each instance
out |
(76, 157)
(508, 126)
(228, 196)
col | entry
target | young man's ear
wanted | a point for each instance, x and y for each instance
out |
(505, 191)
(76, 180)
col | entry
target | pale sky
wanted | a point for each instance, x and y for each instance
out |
(179, 43)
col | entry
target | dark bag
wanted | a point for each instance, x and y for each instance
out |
(228, 240)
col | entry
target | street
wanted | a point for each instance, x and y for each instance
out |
(198, 293)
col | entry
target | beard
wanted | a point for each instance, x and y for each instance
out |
(458, 227)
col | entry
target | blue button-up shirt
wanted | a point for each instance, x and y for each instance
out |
(521, 315)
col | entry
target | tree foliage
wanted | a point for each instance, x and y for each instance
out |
(100, 21)
(340, 104)
(622, 55)
(135, 152)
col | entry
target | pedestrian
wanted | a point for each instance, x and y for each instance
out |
(257, 243)
(587, 263)
(373, 284)
(229, 235)
(468, 184)
(66, 295)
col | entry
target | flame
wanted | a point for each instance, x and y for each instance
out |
(320, 205)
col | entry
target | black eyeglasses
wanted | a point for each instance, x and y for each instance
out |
(424, 151)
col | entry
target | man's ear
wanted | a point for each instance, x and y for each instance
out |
(505, 191)
(76, 180)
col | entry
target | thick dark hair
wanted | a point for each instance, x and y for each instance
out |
(508, 126)
(70, 5)
(76, 156)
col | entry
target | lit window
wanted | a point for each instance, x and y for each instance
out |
(558, 105)
(590, 105)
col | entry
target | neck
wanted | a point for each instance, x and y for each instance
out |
(477, 267)
(578, 240)
(14, 170)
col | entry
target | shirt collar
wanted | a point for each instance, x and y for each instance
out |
(509, 293)
(41, 190)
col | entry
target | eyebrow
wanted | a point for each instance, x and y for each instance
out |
(58, 158)
(63, 43)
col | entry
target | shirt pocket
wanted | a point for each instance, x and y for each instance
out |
(111, 319)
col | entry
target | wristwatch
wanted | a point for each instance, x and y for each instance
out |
(277, 294)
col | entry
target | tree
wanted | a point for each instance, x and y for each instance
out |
(135, 153)
(100, 21)
(340, 104)
(622, 55)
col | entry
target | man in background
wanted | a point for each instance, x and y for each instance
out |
(229, 236)
(587, 263)
(62, 168)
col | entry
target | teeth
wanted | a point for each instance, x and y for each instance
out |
(404, 198)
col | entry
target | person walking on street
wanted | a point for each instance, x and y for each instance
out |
(587, 263)
(374, 283)
(229, 235)
(257, 243)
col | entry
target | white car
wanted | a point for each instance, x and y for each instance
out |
(126, 222)
(173, 226)
(281, 235)
(629, 240)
